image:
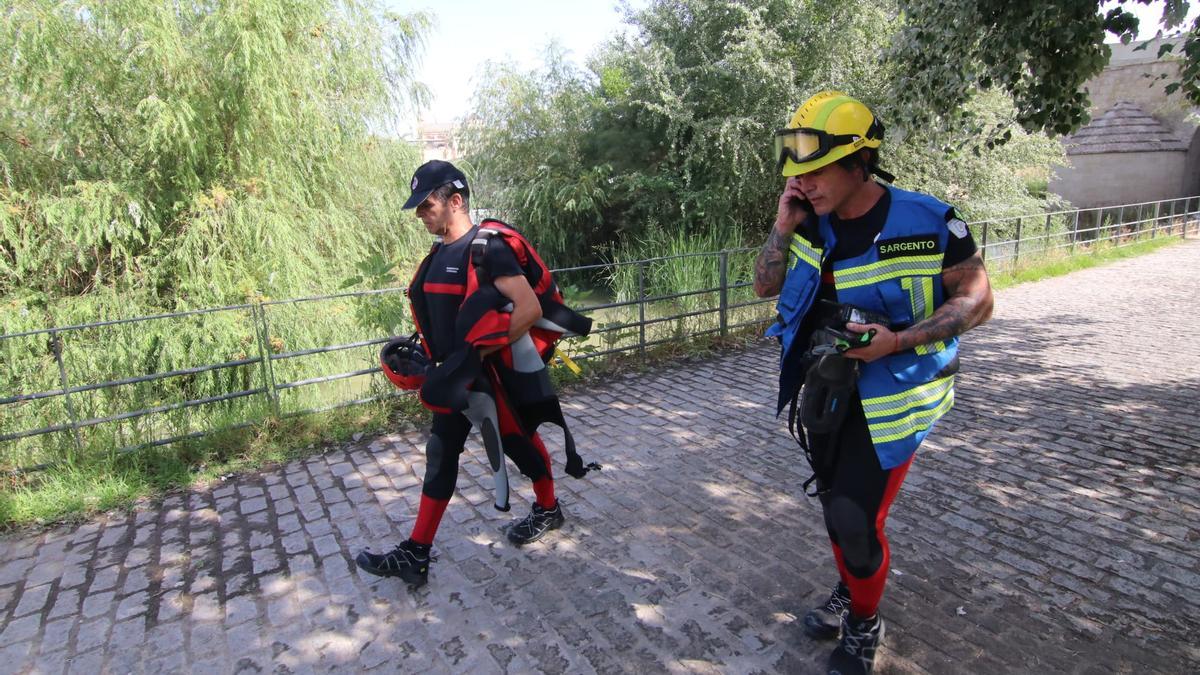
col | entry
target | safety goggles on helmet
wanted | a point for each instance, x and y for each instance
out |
(806, 144)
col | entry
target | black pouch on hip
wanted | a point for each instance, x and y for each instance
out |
(828, 387)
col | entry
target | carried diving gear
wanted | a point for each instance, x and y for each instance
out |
(518, 383)
(835, 338)
(481, 411)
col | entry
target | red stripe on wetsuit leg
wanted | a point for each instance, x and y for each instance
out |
(429, 516)
(865, 594)
(543, 488)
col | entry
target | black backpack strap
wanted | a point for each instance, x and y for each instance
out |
(479, 247)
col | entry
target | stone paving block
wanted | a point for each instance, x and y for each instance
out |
(133, 605)
(326, 545)
(207, 639)
(32, 599)
(169, 661)
(89, 663)
(51, 663)
(91, 634)
(15, 571)
(128, 636)
(44, 573)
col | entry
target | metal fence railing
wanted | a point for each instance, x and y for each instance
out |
(1005, 241)
(127, 384)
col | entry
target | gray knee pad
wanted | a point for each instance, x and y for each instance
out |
(854, 534)
(441, 473)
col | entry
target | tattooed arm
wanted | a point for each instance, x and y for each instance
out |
(968, 304)
(771, 266)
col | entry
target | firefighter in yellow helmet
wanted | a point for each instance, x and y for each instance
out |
(875, 285)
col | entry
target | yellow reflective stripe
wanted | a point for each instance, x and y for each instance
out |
(913, 398)
(887, 275)
(923, 260)
(908, 393)
(798, 255)
(920, 292)
(933, 348)
(801, 250)
(865, 275)
(917, 421)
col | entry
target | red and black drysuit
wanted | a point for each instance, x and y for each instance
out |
(458, 311)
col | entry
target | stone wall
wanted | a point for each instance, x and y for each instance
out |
(1110, 179)
(1129, 82)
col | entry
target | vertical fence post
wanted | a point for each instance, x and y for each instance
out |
(1171, 220)
(1017, 244)
(983, 243)
(724, 293)
(642, 308)
(1074, 231)
(259, 316)
(1157, 213)
(1099, 231)
(56, 345)
(1046, 241)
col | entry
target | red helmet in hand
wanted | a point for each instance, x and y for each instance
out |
(404, 362)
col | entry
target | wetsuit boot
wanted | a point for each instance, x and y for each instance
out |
(855, 654)
(409, 561)
(535, 525)
(825, 622)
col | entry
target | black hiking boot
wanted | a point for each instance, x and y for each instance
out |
(825, 622)
(533, 526)
(855, 654)
(409, 561)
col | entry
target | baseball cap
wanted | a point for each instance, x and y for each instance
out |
(430, 176)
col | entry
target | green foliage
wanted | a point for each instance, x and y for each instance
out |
(672, 125)
(158, 157)
(684, 264)
(535, 170)
(1038, 52)
(193, 153)
(982, 183)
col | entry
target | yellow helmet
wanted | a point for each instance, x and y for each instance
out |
(826, 128)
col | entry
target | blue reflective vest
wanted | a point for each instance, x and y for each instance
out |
(900, 276)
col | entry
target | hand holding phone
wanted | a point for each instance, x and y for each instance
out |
(794, 208)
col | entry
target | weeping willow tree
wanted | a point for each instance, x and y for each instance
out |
(172, 155)
(159, 156)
